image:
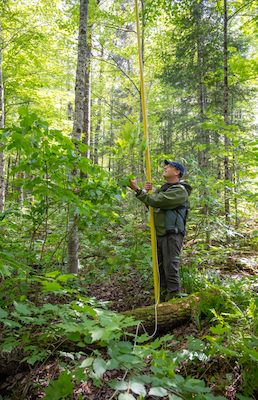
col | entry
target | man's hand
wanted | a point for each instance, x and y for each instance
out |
(148, 186)
(133, 184)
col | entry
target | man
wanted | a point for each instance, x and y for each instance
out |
(170, 204)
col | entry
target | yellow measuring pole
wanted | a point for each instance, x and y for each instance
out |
(145, 126)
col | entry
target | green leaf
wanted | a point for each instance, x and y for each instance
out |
(65, 354)
(127, 131)
(60, 388)
(174, 397)
(138, 388)
(16, 136)
(74, 336)
(126, 396)
(22, 308)
(158, 391)
(96, 334)
(27, 121)
(3, 313)
(241, 397)
(51, 286)
(23, 111)
(99, 366)
(52, 274)
(49, 307)
(83, 147)
(218, 330)
(128, 358)
(64, 278)
(11, 324)
(118, 385)
(196, 345)
(196, 386)
(112, 364)
(87, 362)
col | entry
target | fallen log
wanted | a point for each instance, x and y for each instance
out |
(177, 312)
(170, 315)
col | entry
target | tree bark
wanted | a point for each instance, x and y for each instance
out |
(99, 117)
(111, 133)
(176, 313)
(80, 71)
(2, 154)
(87, 103)
(73, 241)
(226, 139)
(69, 105)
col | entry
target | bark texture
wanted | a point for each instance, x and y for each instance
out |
(73, 241)
(87, 99)
(2, 154)
(177, 312)
(80, 71)
(99, 117)
(226, 139)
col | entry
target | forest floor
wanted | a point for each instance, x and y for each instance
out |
(125, 292)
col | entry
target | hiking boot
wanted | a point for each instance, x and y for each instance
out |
(172, 295)
(163, 294)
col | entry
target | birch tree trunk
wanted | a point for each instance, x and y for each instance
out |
(111, 133)
(99, 117)
(226, 139)
(2, 154)
(73, 240)
(87, 103)
(80, 71)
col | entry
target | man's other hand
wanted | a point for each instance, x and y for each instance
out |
(133, 184)
(148, 186)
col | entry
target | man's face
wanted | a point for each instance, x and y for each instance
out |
(170, 173)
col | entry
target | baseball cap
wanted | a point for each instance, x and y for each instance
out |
(177, 165)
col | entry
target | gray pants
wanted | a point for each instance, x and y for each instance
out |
(169, 248)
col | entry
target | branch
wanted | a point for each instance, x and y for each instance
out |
(17, 104)
(120, 29)
(240, 8)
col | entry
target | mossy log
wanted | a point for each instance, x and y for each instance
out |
(177, 312)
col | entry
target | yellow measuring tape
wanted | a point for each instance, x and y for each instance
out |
(145, 127)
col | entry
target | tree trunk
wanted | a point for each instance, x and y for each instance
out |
(177, 313)
(80, 71)
(200, 95)
(226, 139)
(203, 133)
(87, 103)
(111, 133)
(69, 105)
(2, 154)
(99, 118)
(73, 240)
(8, 176)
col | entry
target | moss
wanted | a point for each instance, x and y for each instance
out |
(214, 300)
